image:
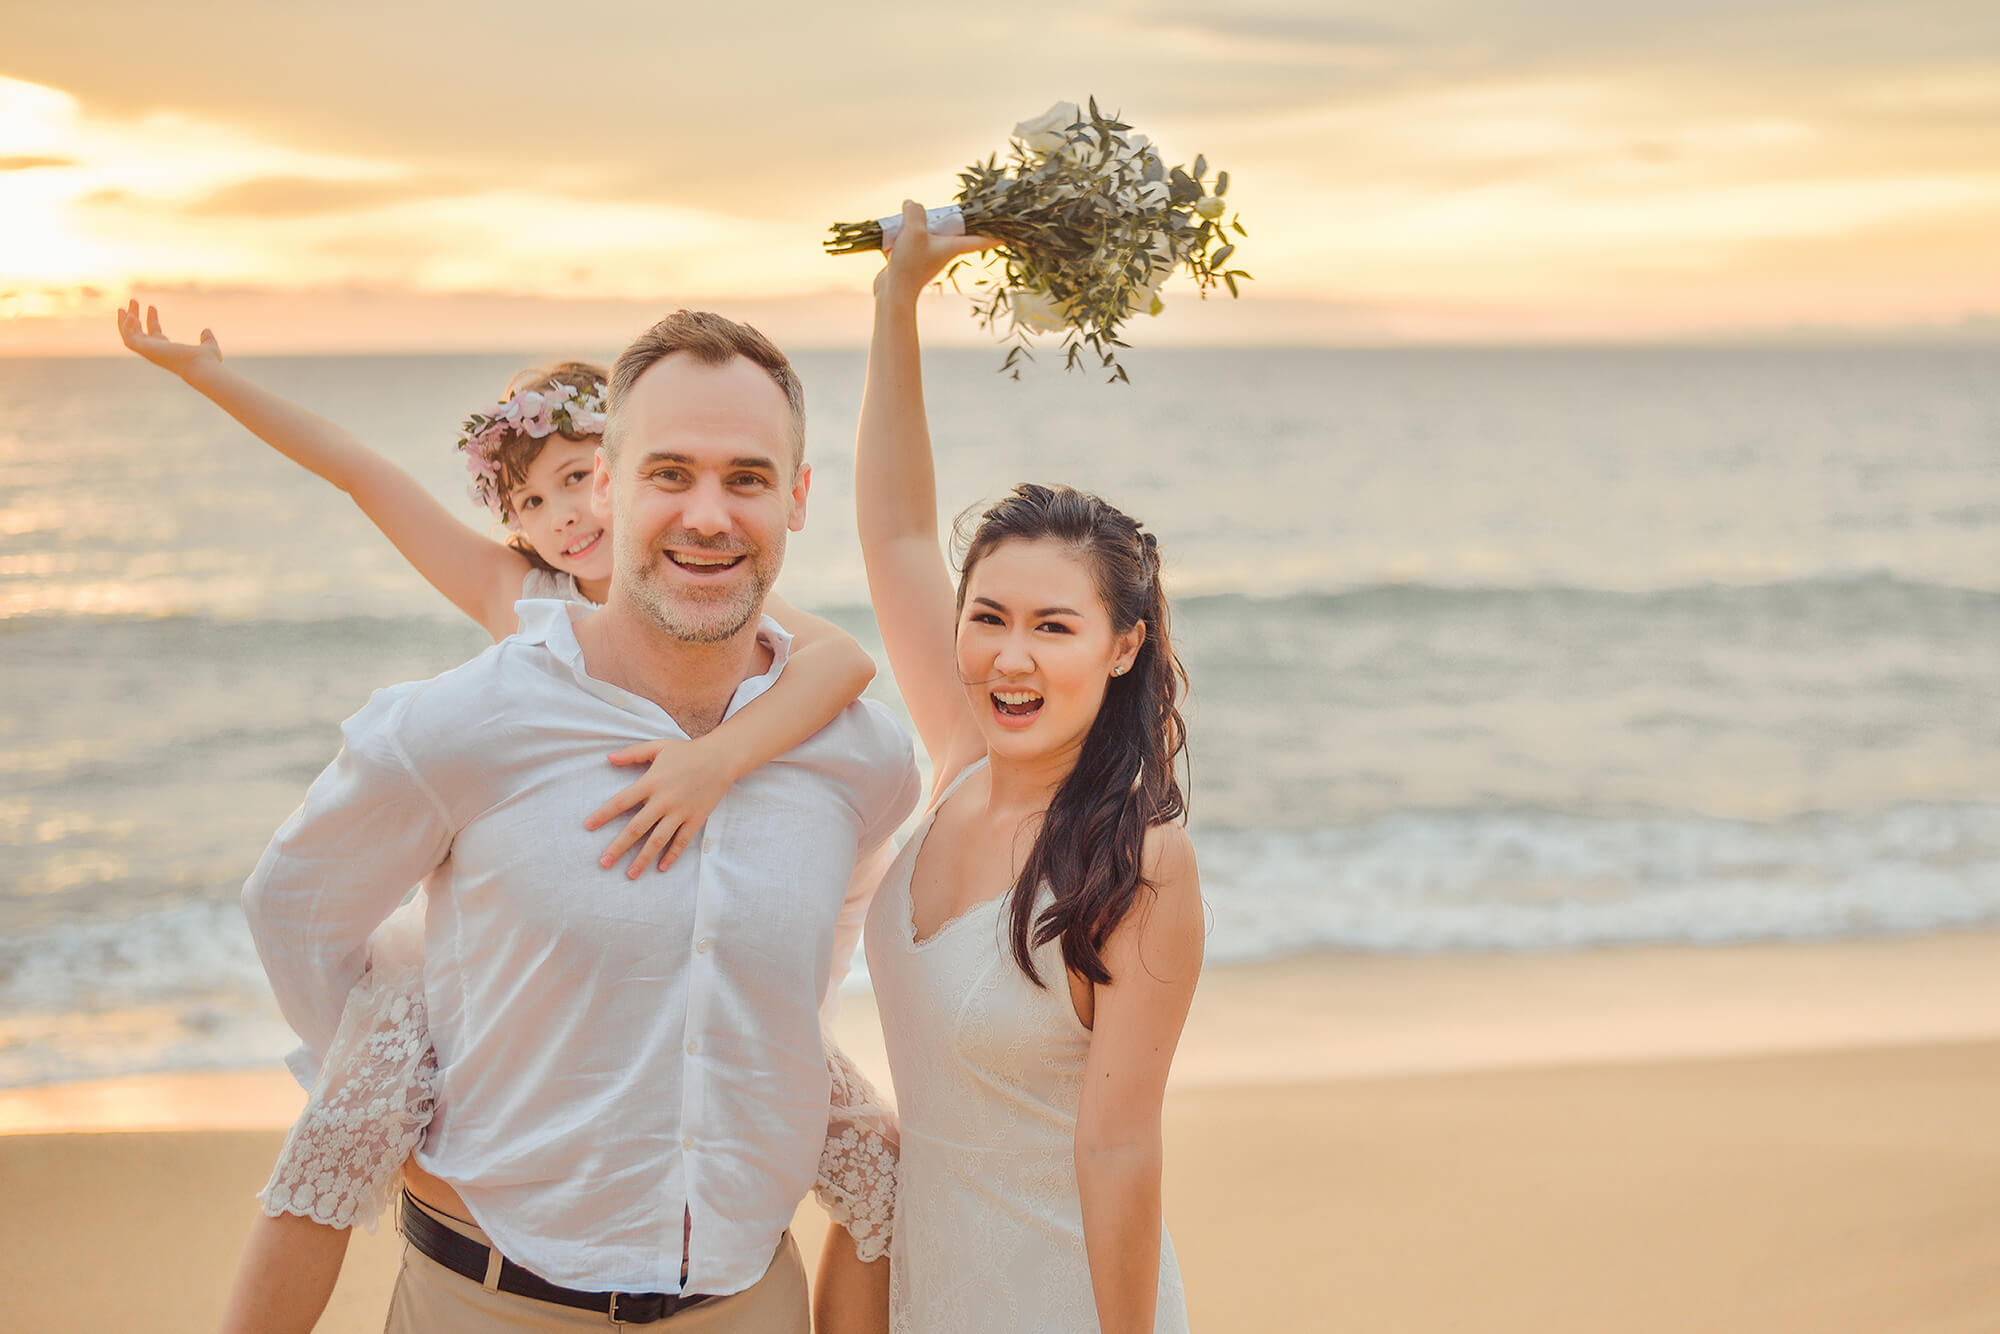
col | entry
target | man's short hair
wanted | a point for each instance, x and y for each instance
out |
(714, 340)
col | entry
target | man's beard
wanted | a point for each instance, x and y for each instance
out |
(697, 619)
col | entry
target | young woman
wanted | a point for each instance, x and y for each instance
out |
(530, 460)
(1034, 949)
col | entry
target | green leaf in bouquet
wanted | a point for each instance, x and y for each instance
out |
(1200, 166)
(1221, 256)
(1237, 227)
(1230, 278)
(1221, 184)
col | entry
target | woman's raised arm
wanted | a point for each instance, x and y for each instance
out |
(480, 576)
(895, 503)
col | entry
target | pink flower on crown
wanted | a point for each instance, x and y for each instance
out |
(532, 414)
(484, 465)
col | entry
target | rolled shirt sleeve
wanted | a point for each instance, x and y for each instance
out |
(869, 869)
(368, 830)
(893, 795)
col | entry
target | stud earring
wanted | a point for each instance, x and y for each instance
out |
(1118, 670)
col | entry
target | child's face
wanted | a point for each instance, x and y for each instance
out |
(553, 506)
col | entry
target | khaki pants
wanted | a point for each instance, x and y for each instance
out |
(431, 1299)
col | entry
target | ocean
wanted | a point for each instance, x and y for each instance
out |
(1540, 649)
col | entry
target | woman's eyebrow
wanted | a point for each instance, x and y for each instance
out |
(1045, 611)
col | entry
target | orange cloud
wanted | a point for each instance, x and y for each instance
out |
(1580, 171)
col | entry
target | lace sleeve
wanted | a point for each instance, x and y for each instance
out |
(857, 1167)
(376, 1090)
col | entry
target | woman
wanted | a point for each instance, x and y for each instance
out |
(1035, 947)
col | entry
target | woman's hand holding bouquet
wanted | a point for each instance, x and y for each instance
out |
(918, 254)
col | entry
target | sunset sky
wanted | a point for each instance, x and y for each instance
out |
(510, 175)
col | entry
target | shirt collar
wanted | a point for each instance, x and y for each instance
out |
(552, 624)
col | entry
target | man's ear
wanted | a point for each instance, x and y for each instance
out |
(800, 486)
(600, 486)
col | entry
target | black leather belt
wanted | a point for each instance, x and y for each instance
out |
(462, 1255)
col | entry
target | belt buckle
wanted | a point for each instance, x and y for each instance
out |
(665, 1307)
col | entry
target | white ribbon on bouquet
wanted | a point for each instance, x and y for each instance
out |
(947, 220)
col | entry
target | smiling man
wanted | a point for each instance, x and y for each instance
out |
(633, 1091)
(703, 465)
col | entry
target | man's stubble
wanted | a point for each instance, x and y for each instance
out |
(697, 619)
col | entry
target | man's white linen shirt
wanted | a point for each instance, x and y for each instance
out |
(611, 1051)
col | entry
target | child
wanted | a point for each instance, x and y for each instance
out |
(531, 462)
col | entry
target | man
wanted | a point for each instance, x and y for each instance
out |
(632, 1086)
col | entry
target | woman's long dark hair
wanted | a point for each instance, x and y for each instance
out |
(1092, 840)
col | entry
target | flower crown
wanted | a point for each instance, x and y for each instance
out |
(538, 413)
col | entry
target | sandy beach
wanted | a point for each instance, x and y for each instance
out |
(1769, 1138)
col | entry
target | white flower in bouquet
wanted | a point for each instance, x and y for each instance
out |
(1035, 311)
(1089, 223)
(1049, 131)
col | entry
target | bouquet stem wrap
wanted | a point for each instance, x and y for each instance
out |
(946, 221)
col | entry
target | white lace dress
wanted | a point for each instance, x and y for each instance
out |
(989, 1071)
(376, 1089)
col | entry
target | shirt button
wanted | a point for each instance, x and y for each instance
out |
(708, 845)
(701, 946)
(693, 1046)
(687, 1141)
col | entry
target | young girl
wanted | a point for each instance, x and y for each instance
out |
(531, 462)
(1034, 949)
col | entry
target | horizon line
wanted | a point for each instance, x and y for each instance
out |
(1798, 339)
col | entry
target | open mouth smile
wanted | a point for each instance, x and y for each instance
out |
(1016, 708)
(583, 545)
(700, 563)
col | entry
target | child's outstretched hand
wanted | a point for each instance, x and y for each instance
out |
(150, 342)
(685, 781)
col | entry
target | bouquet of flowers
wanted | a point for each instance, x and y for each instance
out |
(1090, 223)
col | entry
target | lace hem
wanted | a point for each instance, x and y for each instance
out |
(376, 1091)
(857, 1165)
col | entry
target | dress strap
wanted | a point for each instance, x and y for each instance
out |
(956, 783)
